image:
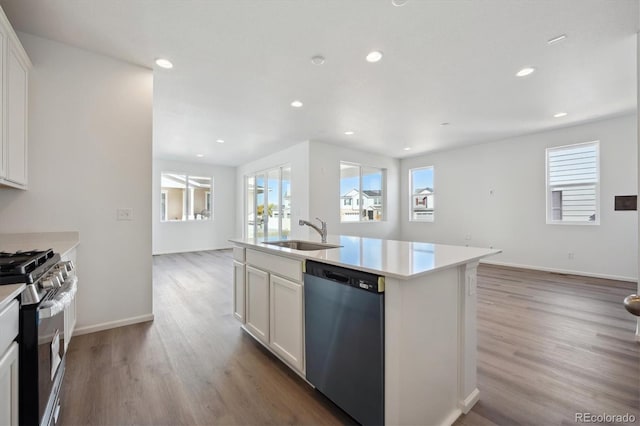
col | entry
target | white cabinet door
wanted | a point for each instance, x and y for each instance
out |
(9, 386)
(238, 291)
(258, 303)
(286, 320)
(16, 133)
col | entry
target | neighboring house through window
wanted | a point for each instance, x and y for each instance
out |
(573, 179)
(422, 194)
(361, 193)
(184, 197)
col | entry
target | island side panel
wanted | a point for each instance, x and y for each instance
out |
(467, 355)
(422, 346)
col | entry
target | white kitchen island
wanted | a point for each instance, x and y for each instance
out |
(430, 316)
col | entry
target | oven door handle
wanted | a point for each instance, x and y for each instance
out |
(61, 301)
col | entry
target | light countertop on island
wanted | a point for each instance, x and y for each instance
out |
(392, 258)
(60, 242)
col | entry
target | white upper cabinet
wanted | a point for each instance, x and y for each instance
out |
(14, 67)
(3, 109)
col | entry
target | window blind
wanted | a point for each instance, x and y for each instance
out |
(573, 165)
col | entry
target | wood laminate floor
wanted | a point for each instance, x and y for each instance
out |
(549, 346)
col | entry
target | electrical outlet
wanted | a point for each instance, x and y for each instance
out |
(124, 214)
(467, 237)
(570, 255)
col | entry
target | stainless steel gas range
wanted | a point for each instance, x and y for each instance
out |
(51, 287)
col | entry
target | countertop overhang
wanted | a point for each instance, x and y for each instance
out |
(392, 258)
(60, 242)
(8, 293)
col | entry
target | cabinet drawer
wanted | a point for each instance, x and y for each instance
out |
(285, 267)
(238, 254)
(9, 320)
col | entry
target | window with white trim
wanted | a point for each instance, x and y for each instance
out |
(573, 179)
(422, 195)
(361, 193)
(184, 197)
(268, 204)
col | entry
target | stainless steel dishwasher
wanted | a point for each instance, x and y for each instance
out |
(344, 338)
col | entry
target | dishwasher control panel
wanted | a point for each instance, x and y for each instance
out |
(351, 277)
(367, 285)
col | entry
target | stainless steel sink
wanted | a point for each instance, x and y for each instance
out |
(632, 304)
(302, 245)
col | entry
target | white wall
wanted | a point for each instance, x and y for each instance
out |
(175, 237)
(90, 122)
(324, 181)
(513, 218)
(297, 157)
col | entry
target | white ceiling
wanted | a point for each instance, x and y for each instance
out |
(238, 64)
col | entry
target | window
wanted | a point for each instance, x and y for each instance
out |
(163, 202)
(361, 193)
(422, 194)
(185, 197)
(573, 175)
(268, 208)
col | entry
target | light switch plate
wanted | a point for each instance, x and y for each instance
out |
(124, 214)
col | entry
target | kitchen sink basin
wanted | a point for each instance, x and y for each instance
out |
(302, 245)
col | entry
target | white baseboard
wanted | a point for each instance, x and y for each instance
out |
(470, 401)
(112, 324)
(561, 271)
(451, 418)
(156, 253)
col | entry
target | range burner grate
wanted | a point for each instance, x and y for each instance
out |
(22, 264)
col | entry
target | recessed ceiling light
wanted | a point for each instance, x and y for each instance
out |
(317, 60)
(374, 56)
(164, 63)
(560, 115)
(399, 3)
(220, 141)
(407, 148)
(557, 39)
(199, 155)
(349, 132)
(446, 123)
(296, 104)
(525, 71)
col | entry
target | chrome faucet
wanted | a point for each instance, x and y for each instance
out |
(322, 230)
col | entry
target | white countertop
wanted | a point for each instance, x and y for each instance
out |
(60, 242)
(391, 258)
(9, 292)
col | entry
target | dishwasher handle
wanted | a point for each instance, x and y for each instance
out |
(336, 276)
